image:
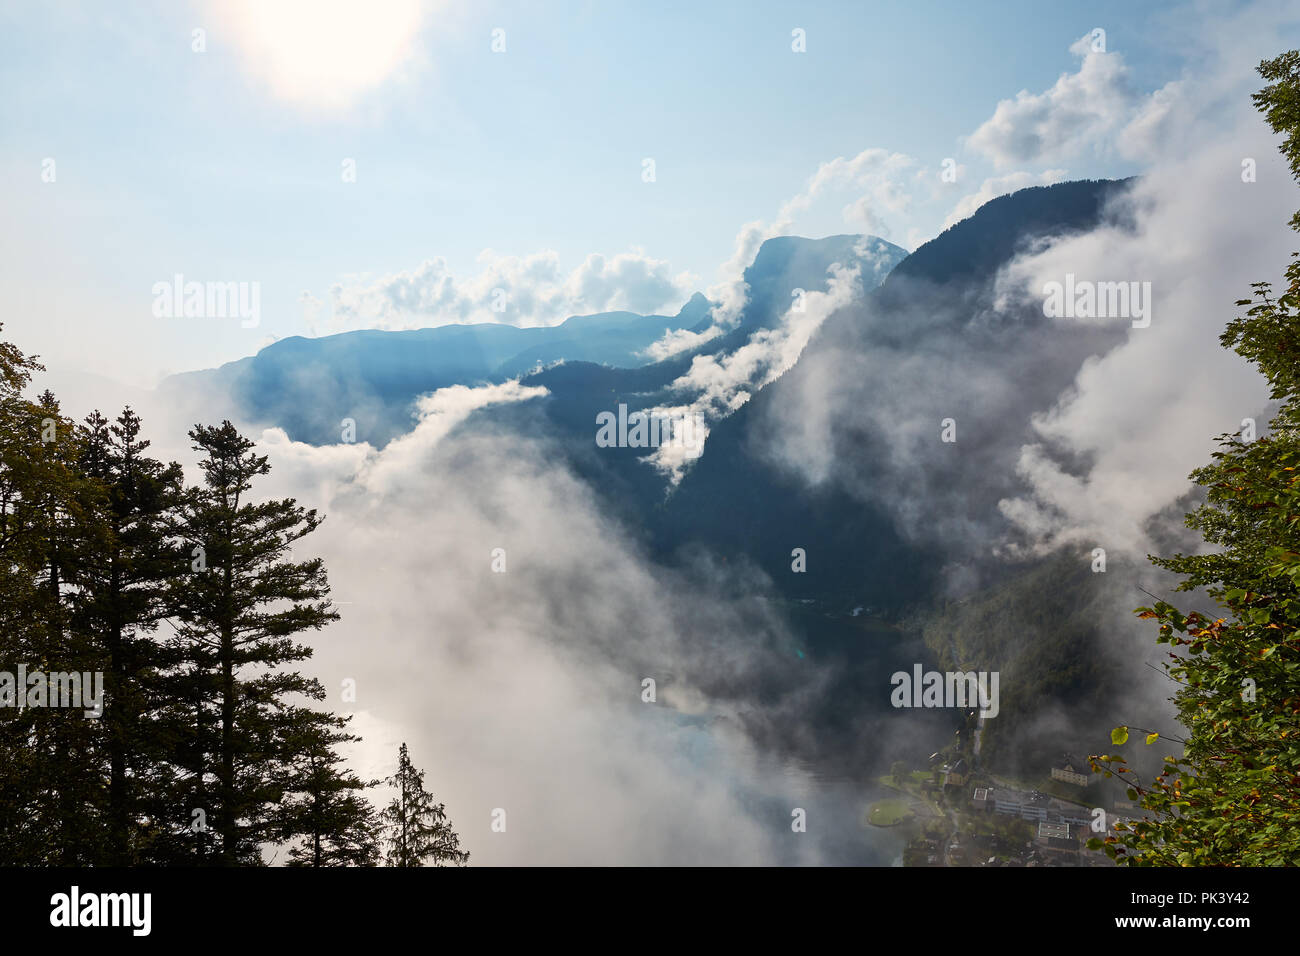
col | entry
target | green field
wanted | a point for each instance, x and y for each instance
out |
(888, 813)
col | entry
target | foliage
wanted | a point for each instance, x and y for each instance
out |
(418, 831)
(188, 601)
(1233, 796)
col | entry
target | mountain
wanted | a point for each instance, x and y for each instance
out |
(928, 344)
(927, 341)
(786, 263)
(841, 456)
(308, 386)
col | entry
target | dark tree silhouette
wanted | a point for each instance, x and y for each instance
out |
(418, 831)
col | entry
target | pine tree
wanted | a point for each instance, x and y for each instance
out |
(51, 800)
(325, 806)
(99, 544)
(26, 474)
(237, 612)
(418, 828)
(120, 604)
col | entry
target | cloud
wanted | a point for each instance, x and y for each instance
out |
(865, 408)
(876, 170)
(1076, 115)
(1137, 413)
(526, 290)
(523, 690)
(439, 413)
(321, 55)
(719, 384)
(1000, 186)
(725, 381)
(1153, 124)
(676, 341)
(1201, 235)
(862, 213)
(1071, 432)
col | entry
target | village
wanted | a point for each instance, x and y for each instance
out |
(959, 814)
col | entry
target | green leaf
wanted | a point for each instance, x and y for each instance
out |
(1152, 738)
(1119, 736)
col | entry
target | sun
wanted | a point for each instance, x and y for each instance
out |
(323, 54)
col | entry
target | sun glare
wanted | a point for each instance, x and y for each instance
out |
(324, 54)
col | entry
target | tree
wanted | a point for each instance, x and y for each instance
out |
(1233, 796)
(51, 806)
(100, 544)
(119, 606)
(418, 829)
(237, 612)
(325, 806)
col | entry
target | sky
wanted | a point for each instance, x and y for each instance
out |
(505, 146)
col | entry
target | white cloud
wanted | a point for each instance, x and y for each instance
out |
(526, 290)
(438, 413)
(1076, 432)
(722, 383)
(862, 214)
(1000, 186)
(1153, 123)
(1146, 413)
(676, 341)
(522, 690)
(877, 170)
(1076, 115)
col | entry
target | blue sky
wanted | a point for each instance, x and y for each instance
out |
(226, 164)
